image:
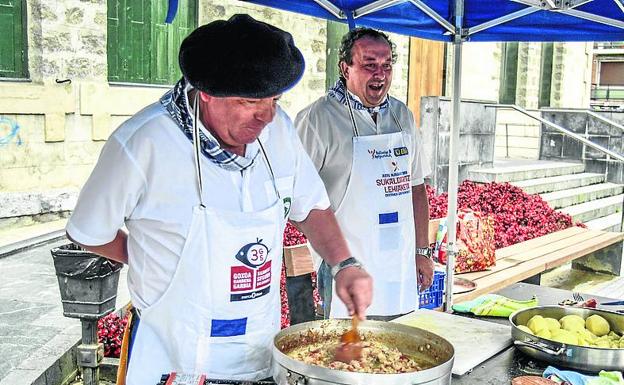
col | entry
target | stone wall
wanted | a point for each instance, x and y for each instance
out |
(476, 140)
(55, 131)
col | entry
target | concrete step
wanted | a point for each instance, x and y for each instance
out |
(575, 196)
(510, 172)
(609, 223)
(560, 182)
(587, 211)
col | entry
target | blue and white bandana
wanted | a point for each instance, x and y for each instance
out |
(338, 92)
(176, 103)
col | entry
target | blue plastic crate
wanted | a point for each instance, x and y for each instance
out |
(432, 297)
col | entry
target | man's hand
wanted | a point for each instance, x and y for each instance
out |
(424, 272)
(355, 288)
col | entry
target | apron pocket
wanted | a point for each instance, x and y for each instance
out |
(388, 257)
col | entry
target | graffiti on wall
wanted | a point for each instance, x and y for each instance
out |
(9, 132)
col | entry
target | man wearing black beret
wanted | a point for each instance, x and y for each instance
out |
(205, 180)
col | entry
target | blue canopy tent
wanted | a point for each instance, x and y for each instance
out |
(457, 21)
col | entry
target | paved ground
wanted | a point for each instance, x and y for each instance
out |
(34, 334)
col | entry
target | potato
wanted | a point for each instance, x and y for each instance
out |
(597, 325)
(572, 323)
(537, 323)
(565, 337)
(525, 329)
(552, 324)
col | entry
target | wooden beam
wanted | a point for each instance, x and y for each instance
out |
(425, 75)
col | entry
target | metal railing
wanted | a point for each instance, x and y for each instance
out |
(607, 92)
(610, 155)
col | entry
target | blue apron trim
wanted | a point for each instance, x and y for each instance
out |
(228, 327)
(389, 218)
(133, 331)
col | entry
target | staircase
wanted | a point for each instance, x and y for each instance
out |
(587, 197)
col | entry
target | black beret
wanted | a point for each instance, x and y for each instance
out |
(241, 57)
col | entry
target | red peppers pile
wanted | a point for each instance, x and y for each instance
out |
(518, 216)
(110, 331)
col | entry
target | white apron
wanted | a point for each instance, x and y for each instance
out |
(377, 220)
(222, 308)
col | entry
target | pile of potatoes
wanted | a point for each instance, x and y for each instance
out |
(574, 330)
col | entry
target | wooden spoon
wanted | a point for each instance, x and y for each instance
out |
(350, 348)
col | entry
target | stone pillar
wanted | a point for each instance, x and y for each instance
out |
(571, 80)
(528, 83)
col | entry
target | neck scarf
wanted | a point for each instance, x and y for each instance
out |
(176, 103)
(338, 92)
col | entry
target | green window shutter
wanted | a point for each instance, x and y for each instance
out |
(509, 73)
(115, 13)
(335, 31)
(141, 47)
(128, 41)
(13, 41)
(166, 39)
(546, 75)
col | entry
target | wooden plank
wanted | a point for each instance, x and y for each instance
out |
(531, 254)
(500, 279)
(425, 72)
(580, 249)
(508, 251)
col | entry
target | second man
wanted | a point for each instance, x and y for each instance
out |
(368, 153)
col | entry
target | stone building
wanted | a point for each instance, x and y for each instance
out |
(73, 70)
(63, 91)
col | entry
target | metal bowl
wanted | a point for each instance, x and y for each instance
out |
(433, 351)
(591, 359)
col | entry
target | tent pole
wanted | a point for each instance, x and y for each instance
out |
(453, 156)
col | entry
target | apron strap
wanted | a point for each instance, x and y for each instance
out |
(352, 116)
(268, 163)
(196, 152)
(394, 117)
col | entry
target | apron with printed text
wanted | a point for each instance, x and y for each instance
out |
(222, 308)
(377, 220)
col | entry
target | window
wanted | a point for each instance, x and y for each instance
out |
(611, 73)
(545, 75)
(13, 42)
(509, 73)
(141, 47)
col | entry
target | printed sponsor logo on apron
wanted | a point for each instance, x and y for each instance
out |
(253, 279)
(287, 202)
(396, 182)
(379, 154)
(400, 151)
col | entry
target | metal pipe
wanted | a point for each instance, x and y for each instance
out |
(451, 221)
(506, 140)
(590, 113)
(560, 129)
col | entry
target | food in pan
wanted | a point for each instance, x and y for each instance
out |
(594, 331)
(377, 357)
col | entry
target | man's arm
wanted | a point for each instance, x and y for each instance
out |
(424, 265)
(117, 249)
(353, 285)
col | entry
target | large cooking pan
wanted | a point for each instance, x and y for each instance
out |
(586, 358)
(431, 349)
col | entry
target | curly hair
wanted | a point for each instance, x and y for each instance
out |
(345, 54)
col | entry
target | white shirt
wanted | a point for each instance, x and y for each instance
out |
(326, 132)
(145, 179)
